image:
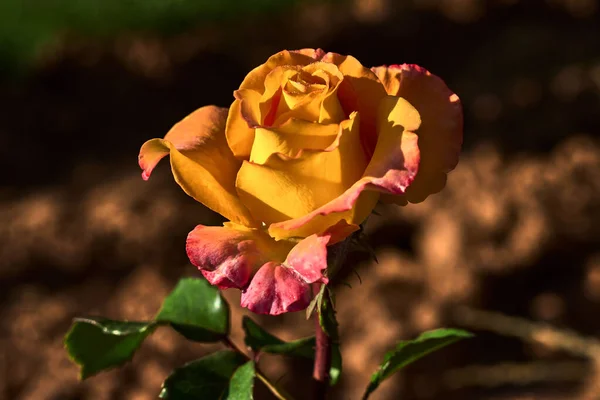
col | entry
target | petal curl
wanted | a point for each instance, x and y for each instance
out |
(278, 288)
(201, 162)
(392, 169)
(228, 256)
(256, 78)
(309, 258)
(275, 290)
(307, 92)
(441, 131)
(298, 186)
(291, 138)
(283, 271)
(360, 90)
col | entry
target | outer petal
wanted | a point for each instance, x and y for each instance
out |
(275, 290)
(296, 187)
(278, 288)
(441, 131)
(201, 161)
(391, 170)
(227, 256)
(309, 258)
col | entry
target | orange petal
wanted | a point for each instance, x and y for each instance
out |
(392, 169)
(201, 162)
(360, 91)
(291, 138)
(441, 131)
(298, 186)
(256, 78)
(243, 117)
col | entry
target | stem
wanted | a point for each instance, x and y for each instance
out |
(277, 392)
(322, 360)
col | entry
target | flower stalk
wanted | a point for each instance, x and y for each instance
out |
(322, 364)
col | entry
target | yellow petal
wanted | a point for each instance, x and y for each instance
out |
(391, 170)
(291, 138)
(201, 162)
(331, 109)
(319, 103)
(243, 116)
(360, 91)
(389, 78)
(256, 78)
(297, 187)
(398, 120)
(270, 102)
(441, 133)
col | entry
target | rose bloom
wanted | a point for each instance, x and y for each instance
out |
(311, 143)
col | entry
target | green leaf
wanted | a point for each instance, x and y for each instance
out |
(315, 303)
(242, 383)
(206, 378)
(409, 351)
(96, 344)
(260, 340)
(196, 310)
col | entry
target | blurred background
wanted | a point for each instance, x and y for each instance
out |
(510, 249)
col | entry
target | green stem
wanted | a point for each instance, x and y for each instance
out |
(277, 392)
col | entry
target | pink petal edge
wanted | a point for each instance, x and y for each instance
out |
(276, 289)
(228, 257)
(280, 288)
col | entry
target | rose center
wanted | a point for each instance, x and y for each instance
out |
(302, 83)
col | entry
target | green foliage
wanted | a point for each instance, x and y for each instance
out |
(315, 303)
(259, 339)
(28, 25)
(206, 378)
(97, 344)
(242, 383)
(409, 351)
(196, 310)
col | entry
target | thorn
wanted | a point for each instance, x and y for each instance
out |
(358, 276)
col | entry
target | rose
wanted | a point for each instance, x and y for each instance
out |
(311, 143)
